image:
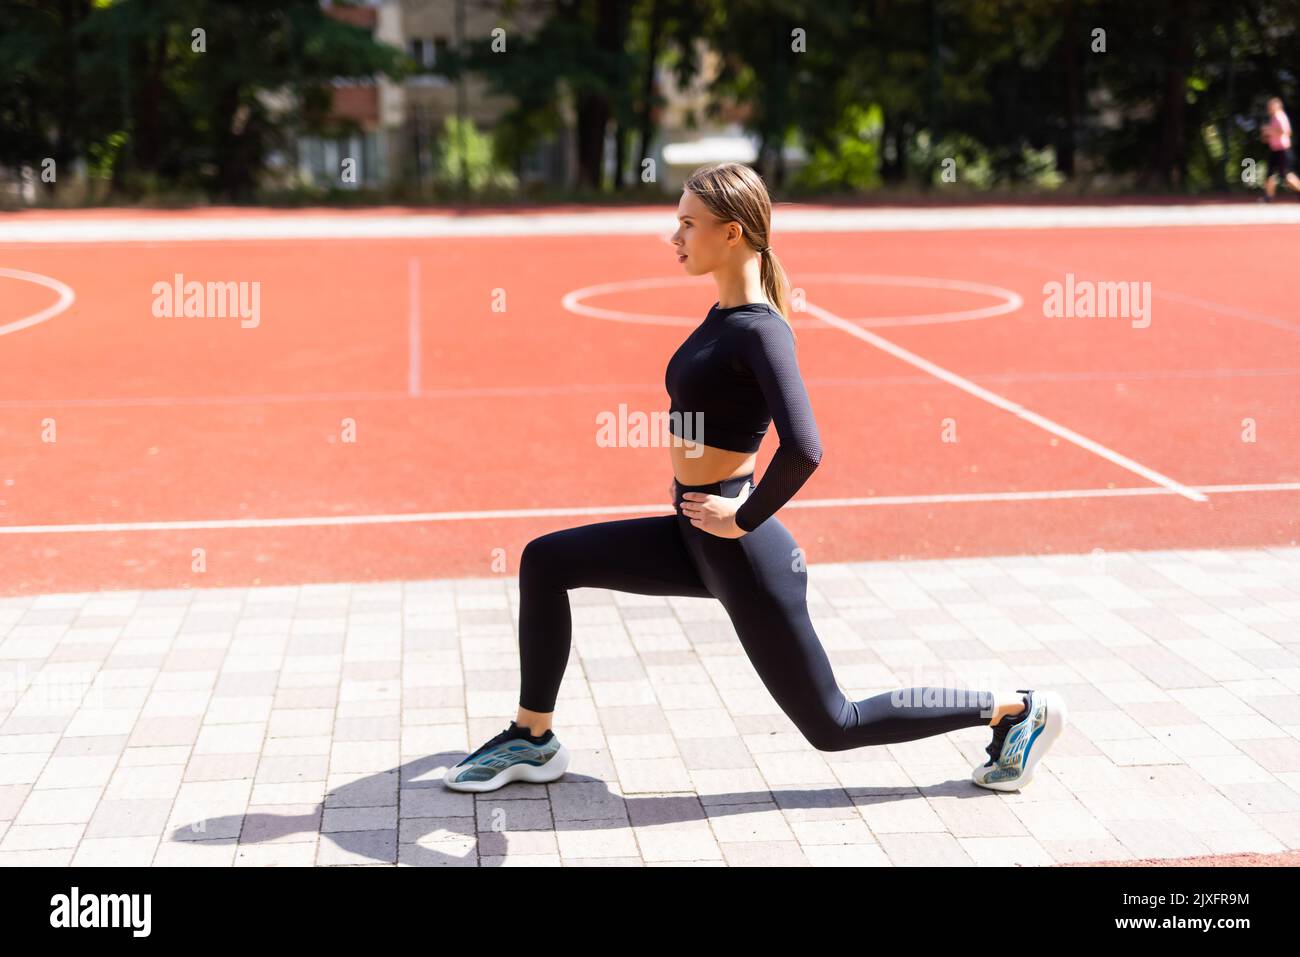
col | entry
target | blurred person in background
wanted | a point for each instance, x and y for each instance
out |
(1277, 134)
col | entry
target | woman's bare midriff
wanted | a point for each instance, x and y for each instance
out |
(695, 464)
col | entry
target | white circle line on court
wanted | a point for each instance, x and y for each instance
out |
(66, 298)
(1010, 301)
(962, 498)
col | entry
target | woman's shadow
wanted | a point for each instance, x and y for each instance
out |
(366, 823)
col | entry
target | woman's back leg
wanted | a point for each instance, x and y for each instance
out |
(763, 586)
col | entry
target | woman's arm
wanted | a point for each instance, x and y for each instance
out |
(768, 350)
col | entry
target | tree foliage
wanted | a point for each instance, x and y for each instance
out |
(1163, 94)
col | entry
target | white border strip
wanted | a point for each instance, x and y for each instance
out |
(504, 513)
(786, 218)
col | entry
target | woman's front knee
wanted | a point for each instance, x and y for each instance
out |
(543, 558)
(536, 559)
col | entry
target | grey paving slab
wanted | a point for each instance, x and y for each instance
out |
(310, 725)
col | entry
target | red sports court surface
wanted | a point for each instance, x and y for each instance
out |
(476, 428)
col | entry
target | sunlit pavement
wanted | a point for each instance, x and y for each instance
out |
(311, 725)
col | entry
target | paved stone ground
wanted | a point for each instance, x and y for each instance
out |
(311, 725)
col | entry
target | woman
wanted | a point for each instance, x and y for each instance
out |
(1277, 134)
(735, 373)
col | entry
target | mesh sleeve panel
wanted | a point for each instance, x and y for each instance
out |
(768, 350)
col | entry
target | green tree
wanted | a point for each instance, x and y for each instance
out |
(170, 92)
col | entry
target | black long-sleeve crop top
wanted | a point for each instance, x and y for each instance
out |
(734, 374)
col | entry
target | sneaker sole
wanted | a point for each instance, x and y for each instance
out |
(529, 773)
(1058, 716)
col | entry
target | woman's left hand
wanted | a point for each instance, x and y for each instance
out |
(716, 514)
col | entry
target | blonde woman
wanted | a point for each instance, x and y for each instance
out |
(734, 374)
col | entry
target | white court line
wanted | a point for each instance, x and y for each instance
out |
(1002, 403)
(1011, 300)
(413, 373)
(504, 513)
(1232, 311)
(1214, 307)
(66, 298)
(575, 301)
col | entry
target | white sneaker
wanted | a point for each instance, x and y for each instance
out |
(1021, 740)
(510, 756)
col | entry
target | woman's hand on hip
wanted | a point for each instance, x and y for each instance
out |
(715, 514)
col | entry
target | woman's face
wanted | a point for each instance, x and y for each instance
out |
(700, 237)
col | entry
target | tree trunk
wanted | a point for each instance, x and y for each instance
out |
(1170, 162)
(1073, 95)
(593, 115)
(617, 47)
(593, 108)
(648, 86)
(778, 99)
(146, 142)
(620, 155)
(891, 171)
(66, 142)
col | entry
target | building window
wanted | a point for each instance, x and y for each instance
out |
(320, 160)
(421, 52)
(428, 53)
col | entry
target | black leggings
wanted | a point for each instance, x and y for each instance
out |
(1279, 162)
(762, 582)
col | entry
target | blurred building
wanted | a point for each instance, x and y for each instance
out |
(399, 124)
(374, 106)
(685, 139)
